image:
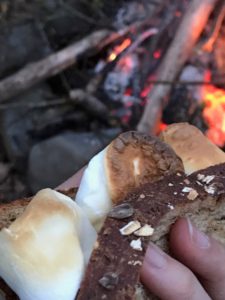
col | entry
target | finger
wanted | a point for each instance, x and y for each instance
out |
(73, 181)
(202, 254)
(168, 279)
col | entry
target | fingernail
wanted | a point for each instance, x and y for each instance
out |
(155, 257)
(199, 238)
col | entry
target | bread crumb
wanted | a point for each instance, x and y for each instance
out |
(142, 196)
(170, 184)
(187, 189)
(210, 189)
(170, 205)
(136, 245)
(199, 183)
(193, 194)
(96, 245)
(135, 263)
(200, 177)
(186, 181)
(208, 179)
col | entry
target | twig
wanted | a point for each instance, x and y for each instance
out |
(77, 13)
(176, 82)
(76, 97)
(208, 45)
(188, 33)
(53, 64)
(41, 104)
(90, 103)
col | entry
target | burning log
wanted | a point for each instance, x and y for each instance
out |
(191, 27)
(49, 66)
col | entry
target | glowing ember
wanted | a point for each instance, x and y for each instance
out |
(118, 49)
(162, 126)
(214, 112)
(178, 14)
(157, 54)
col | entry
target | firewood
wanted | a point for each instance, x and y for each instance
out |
(189, 31)
(53, 64)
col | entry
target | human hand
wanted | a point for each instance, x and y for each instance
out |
(196, 272)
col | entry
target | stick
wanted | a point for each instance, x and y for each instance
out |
(90, 103)
(53, 64)
(190, 29)
(87, 101)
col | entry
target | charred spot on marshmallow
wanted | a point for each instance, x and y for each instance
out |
(133, 159)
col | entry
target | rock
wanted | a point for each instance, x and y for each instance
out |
(66, 28)
(4, 171)
(17, 124)
(54, 160)
(21, 44)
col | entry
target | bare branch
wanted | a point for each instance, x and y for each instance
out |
(188, 33)
(53, 64)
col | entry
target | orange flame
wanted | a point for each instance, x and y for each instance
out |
(214, 112)
(118, 49)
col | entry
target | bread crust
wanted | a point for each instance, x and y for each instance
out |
(169, 197)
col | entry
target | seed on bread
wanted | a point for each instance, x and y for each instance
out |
(121, 211)
(130, 228)
(146, 230)
(109, 280)
(136, 245)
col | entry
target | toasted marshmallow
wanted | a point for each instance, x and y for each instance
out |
(44, 252)
(196, 150)
(93, 195)
(131, 160)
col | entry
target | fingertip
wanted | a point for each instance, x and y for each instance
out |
(169, 279)
(200, 253)
(180, 239)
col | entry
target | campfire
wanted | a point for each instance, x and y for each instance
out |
(160, 62)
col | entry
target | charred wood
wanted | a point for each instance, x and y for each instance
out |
(53, 64)
(188, 33)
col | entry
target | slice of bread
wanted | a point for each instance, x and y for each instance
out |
(114, 268)
(117, 259)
